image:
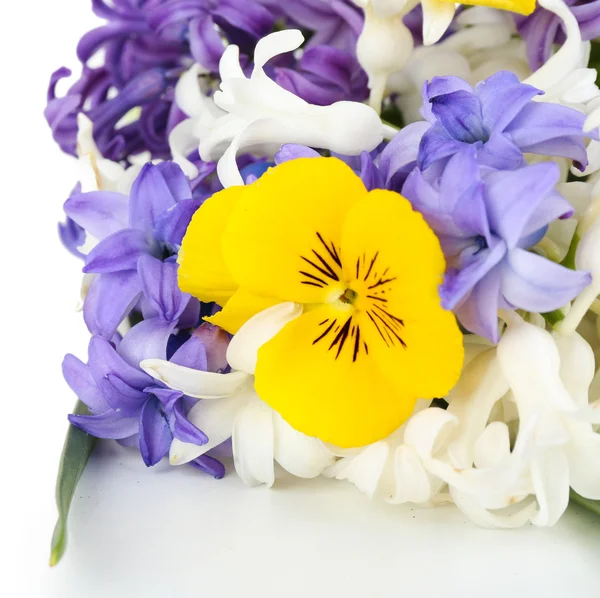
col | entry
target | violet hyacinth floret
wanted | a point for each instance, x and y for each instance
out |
(128, 405)
(486, 221)
(150, 222)
(335, 23)
(499, 118)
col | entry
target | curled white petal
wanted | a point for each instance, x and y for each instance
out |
(583, 453)
(253, 443)
(300, 455)
(530, 362)
(242, 351)
(412, 482)
(272, 45)
(577, 366)
(550, 474)
(196, 383)
(480, 387)
(487, 518)
(189, 95)
(568, 57)
(182, 143)
(364, 469)
(429, 428)
(215, 419)
(493, 446)
(437, 16)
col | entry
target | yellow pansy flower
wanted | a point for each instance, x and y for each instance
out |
(366, 268)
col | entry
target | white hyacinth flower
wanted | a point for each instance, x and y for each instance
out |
(393, 469)
(255, 114)
(230, 408)
(547, 378)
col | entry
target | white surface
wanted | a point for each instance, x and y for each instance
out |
(166, 533)
(161, 534)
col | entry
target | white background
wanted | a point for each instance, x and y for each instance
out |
(161, 533)
(38, 282)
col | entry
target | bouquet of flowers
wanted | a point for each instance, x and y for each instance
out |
(350, 238)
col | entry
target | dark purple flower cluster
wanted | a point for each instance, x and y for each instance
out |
(147, 44)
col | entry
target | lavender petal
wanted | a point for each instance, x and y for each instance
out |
(109, 299)
(536, 284)
(106, 425)
(155, 433)
(80, 380)
(118, 252)
(146, 340)
(100, 213)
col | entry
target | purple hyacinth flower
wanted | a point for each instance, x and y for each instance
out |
(151, 91)
(146, 45)
(128, 405)
(149, 224)
(201, 23)
(325, 75)
(486, 221)
(498, 118)
(542, 29)
(335, 23)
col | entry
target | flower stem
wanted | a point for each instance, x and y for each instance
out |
(569, 259)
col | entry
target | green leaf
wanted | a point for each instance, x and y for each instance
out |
(591, 505)
(76, 452)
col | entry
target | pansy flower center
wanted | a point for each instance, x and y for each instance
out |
(358, 300)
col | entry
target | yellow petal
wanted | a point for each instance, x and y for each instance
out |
(397, 265)
(347, 403)
(390, 252)
(283, 238)
(202, 269)
(427, 361)
(239, 309)
(523, 7)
